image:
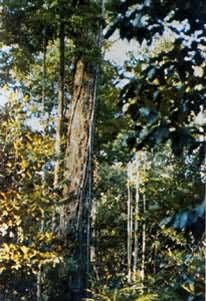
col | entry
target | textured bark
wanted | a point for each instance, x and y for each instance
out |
(143, 241)
(136, 216)
(129, 233)
(75, 214)
(78, 144)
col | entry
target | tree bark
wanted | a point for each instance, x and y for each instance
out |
(76, 211)
(129, 233)
(75, 215)
(136, 228)
(44, 71)
(136, 222)
(143, 241)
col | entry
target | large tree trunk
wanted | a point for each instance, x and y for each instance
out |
(75, 216)
(76, 211)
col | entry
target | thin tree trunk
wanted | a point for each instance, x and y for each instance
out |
(44, 70)
(91, 232)
(154, 259)
(39, 273)
(136, 217)
(129, 233)
(93, 241)
(143, 241)
(60, 108)
(38, 290)
(132, 229)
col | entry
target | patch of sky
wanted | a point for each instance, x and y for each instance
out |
(3, 97)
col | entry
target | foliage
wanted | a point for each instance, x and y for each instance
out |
(27, 243)
(160, 96)
(126, 293)
(168, 189)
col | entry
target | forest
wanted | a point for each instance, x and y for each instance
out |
(102, 161)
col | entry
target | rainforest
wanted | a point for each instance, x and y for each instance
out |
(102, 150)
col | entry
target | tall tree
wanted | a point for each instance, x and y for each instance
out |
(75, 214)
